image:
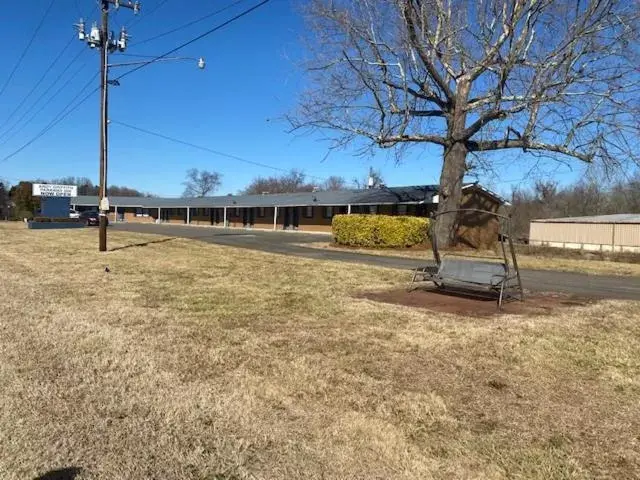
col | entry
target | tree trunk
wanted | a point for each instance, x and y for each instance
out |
(450, 195)
(453, 168)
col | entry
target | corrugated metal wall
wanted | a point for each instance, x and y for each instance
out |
(627, 235)
(586, 233)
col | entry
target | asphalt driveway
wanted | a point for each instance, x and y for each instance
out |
(596, 286)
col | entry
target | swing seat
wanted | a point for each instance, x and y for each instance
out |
(475, 275)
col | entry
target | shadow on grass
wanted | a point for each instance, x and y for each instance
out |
(61, 474)
(143, 244)
(481, 295)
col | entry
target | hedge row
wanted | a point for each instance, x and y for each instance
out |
(382, 231)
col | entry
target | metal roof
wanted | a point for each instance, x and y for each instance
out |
(617, 218)
(374, 196)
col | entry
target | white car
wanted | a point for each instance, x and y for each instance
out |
(73, 213)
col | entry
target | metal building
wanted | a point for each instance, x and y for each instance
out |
(609, 233)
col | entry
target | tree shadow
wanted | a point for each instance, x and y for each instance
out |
(143, 244)
(61, 474)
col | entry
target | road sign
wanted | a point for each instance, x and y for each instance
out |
(46, 190)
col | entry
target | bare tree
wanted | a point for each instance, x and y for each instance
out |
(86, 187)
(545, 199)
(334, 182)
(294, 181)
(549, 77)
(200, 183)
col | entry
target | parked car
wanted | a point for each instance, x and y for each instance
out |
(73, 213)
(91, 219)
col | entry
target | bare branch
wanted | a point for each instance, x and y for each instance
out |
(524, 144)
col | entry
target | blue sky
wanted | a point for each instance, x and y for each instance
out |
(236, 105)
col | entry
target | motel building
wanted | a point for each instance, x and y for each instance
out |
(305, 211)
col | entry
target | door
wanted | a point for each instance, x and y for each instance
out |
(252, 217)
(296, 217)
(288, 217)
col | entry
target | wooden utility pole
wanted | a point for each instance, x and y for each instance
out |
(104, 108)
(102, 39)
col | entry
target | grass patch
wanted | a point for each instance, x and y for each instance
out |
(196, 361)
(530, 258)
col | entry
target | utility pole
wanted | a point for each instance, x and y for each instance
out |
(105, 41)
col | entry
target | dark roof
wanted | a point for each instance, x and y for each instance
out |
(617, 218)
(374, 196)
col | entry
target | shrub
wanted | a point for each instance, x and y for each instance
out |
(382, 231)
(21, 214)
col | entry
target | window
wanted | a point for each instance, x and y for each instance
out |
(373, 209)
(308, 212)
(328, 212)
(402, 209)
(142, 212)
(236, 212)
(261, 212)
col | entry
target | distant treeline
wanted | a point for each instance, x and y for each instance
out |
(17, 201)
(548, 200)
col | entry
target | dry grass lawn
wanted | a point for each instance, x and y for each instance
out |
(534, 262)
(197, 361)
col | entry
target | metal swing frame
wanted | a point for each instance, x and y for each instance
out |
(454, 271)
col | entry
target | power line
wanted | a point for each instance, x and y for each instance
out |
(206, 149)
(43, 95)
(66, 111)
(35, 115)
(77, 2)
(39, 82)
(26, 50)
(187, 25)
(141, 18)
(199, 37)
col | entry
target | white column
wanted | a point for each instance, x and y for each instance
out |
(275, 218)
(159, 215)
(348, 209)
(224, 218)
(115, 214)
(188, 215)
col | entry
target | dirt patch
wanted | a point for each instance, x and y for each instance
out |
(463, 303)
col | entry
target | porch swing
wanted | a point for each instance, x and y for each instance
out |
(485, 276)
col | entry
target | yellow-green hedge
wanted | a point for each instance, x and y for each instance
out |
(383, 231)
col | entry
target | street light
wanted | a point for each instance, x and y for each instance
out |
(200, 62)
(100, 37)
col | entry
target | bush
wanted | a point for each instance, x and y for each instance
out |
(21, 215)
(381, 231)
